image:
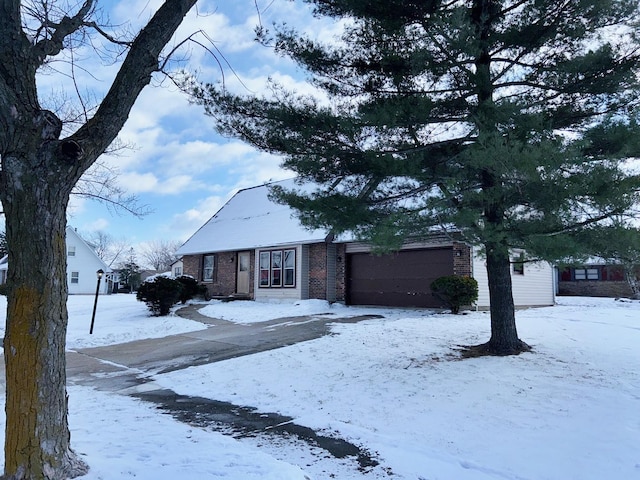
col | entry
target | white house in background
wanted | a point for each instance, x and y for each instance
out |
(3, 269)
(255, 248)
(82, 266)
(177, 268)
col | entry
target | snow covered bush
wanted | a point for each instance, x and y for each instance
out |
(456, 291)
(190, 288)
(160, 293)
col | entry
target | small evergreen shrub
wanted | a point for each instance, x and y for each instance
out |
(4, 289)
(190, 288)
(160, 294)
(455, 291)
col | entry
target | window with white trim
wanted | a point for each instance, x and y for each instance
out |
(518, 264)
(289, 266)
(277, 268)
(71, 251)
(75, 277)
(586, 274)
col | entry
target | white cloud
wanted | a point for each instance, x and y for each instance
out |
(148, 182)
(77, 205)
(174, 148)
(138, 182)
(186, 223)
(100, 224)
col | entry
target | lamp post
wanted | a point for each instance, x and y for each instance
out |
(99, 273)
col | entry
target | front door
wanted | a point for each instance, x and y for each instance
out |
(243, 274)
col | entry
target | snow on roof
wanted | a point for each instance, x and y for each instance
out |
(251, 220)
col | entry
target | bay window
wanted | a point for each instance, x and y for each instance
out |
(277, 268)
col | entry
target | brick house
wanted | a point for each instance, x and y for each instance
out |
(254, 248)
(596, 278)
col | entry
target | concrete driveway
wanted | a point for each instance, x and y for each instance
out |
(128, 369)
(121, 366)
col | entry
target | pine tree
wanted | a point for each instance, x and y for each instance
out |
(493, 116)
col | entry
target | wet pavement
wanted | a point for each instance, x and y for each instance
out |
(239, 422)
(128, 369)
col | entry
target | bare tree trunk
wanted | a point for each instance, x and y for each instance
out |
(38, 172)
(36, 446)
(504, 335)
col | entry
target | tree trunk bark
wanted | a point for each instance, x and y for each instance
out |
(504, 335)
(38, 172)
(37, 446)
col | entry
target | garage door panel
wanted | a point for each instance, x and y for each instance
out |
(399, 279)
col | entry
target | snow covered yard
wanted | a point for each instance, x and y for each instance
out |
(567, 411)
(395, 386)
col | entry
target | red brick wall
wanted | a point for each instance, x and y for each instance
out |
(192, 265)
(224, 281)
(341, 274)
(318, 271)
(461, 259)
(587, 288)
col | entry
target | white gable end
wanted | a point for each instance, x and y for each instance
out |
(82, 265)
(251, 220)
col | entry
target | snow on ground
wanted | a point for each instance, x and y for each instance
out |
(395, 386)
(249, 312)
(119, 319)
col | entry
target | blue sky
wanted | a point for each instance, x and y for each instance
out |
(177, 164)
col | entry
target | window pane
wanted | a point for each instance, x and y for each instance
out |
(289, 259)
(289, 277)
(265, 263)
(592, 274)
(74, 277)
(580, 274)
(276, 278)
(264, 260)
(244, 263)
(208, 264)
(289, 268)
(276, 259)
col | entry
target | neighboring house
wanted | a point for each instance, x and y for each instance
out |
(82, 266)
(257, 249)
(3, 269)
(596, 278)
(177, 268)
(144, 274)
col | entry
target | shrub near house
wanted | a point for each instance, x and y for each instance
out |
(456, 291)
(160, 293)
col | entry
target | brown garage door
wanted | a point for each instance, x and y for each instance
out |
(400, 279)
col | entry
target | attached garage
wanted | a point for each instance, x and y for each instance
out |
(400, 279)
